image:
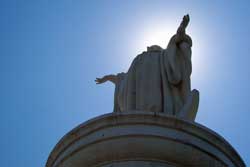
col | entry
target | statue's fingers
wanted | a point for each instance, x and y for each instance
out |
(188, 19)
(98, 81)
(184, 18)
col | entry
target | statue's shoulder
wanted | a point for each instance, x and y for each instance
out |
(121, 76)
(140, 55)
(154, 48)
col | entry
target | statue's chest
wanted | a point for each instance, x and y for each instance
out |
(148, 59)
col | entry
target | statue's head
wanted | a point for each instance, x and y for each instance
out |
(154, 48)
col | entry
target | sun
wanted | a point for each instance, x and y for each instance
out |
(155, 34)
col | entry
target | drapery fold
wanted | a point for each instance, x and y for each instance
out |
(157, 80)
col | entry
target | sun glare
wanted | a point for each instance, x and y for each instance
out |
(155, 35)
(160, 34)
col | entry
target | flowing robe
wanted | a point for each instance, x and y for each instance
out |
(157, 80)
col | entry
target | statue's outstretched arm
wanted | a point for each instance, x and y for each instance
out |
(111, 78)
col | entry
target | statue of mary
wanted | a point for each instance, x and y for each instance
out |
(158, 80)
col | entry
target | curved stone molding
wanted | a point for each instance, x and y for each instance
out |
(142, 139)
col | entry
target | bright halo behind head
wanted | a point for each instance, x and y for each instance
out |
(155, 35)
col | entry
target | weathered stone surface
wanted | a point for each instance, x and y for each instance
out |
(145, 139)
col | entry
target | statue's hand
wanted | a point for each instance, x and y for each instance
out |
(183, 25)
(185, 21)
(100, 80)
(111, 78)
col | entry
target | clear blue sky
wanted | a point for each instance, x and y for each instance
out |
(51, 52)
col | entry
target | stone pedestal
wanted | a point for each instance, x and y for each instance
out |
(142, 139)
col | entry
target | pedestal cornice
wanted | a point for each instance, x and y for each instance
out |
(142, 137)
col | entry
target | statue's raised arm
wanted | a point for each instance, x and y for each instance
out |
(181, 29)
(181, 32)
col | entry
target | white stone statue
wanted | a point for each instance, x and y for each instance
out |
(158, 80)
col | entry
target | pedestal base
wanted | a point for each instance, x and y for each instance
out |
(145, 139)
